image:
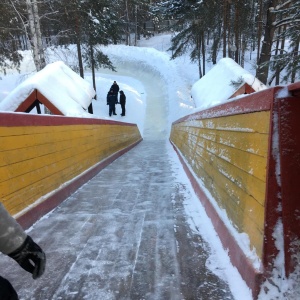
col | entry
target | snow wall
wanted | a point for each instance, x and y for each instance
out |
(44, 159)
(243, 160)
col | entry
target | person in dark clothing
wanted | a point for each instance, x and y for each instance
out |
(115, 88)
(122, 102)
(111, 102)
(15, 243)
(7, 291)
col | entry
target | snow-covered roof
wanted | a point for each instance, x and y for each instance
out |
(65, 89)
(221, 82)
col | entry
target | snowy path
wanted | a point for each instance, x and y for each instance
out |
(125, 234)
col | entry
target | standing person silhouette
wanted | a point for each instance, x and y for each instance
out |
(115, 88)
(123, 103)
(111, 102)
(15, 243)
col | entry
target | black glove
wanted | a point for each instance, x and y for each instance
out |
(30, 257)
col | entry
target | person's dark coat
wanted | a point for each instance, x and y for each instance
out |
(111, 101)
(122, 102)
(110, 98)
(115, 88)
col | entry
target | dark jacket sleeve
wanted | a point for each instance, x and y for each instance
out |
(122, 98)
(12, 235)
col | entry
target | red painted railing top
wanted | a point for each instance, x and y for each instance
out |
(25, 119)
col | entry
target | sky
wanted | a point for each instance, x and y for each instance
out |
(140, 71)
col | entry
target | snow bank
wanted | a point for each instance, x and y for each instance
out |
(221, 82)
(70, 93)
(157, 64)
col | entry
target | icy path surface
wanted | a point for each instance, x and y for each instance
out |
(124, 234)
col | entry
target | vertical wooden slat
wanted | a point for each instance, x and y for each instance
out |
(289, 132)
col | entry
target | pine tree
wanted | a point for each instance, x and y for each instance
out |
(102, 28)
(288, 26)
(189, 26)
(10, 29)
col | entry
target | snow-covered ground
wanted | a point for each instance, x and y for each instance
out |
(145, 73)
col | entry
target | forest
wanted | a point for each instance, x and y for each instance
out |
(204, 29)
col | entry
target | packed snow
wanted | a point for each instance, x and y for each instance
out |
(64, 88)
(139, 71)
(227, 77)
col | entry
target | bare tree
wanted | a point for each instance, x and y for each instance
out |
(265, 56)
(259, 28)
(36, 35)
(225, 26)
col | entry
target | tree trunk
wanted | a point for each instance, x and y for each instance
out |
(80, 63)
(128, 41)
(229, 37)
(236, 32)
(243, 50)
(36, 38)
(253, 14)
(90, 108)
(136, 25)
(225, 25)
(199, 55)
(78, 44)
(93, 68)
(38, 34)
(35, 32)
(259, 29)
(279, 48)
(295, 53)
(277, 82)
(215, 47)
(263, 65)
(203, 51)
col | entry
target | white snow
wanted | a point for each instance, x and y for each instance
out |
(59, 84)
(217, 86)
(139, 71)
(219, 261)
(283, 93)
